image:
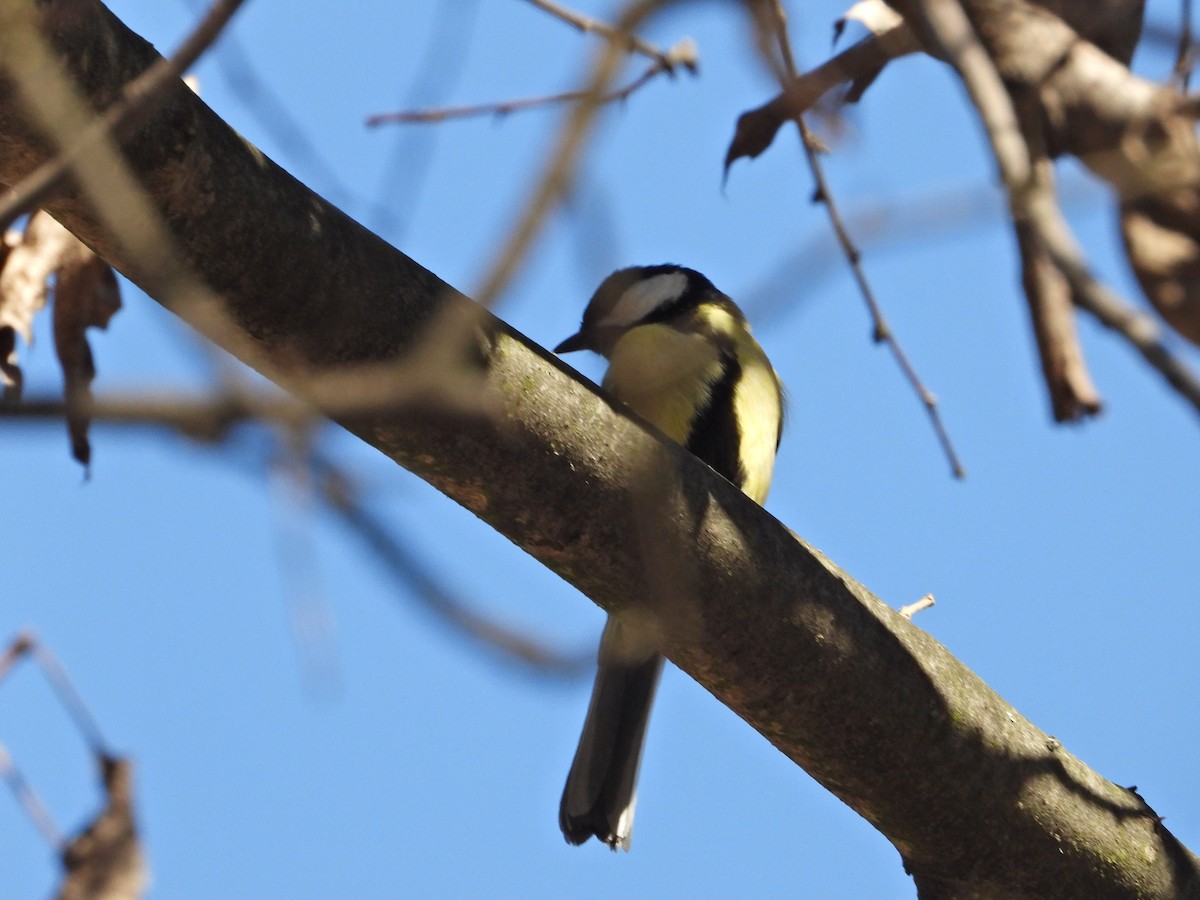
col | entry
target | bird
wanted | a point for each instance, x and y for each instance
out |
(680, 355)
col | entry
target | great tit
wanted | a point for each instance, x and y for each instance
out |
(681, 356)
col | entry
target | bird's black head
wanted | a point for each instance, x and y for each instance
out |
(636, 296)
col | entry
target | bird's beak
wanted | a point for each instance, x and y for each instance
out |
(577, 341)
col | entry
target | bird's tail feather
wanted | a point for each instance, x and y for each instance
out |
(601, 789)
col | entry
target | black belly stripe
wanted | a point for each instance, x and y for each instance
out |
(714, 433)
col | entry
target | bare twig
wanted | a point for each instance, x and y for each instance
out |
(504, 108)
(561, 165)
(122, 117)
(889, 222)
(209, 418)
(1135, 326)
(348, 392)
(27, 644)
(29, 800)
(509, 643)
(307, 601)
(70, 698)
(1185, 52)
(1073, 395)
(202, 418)
(682, 54)
(410, 156)
(882, 332)
(1048, 294)
(21, 646)
(912, 609)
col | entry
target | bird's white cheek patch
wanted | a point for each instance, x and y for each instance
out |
(641, 299)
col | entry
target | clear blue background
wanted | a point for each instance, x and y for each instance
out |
(1065, 566)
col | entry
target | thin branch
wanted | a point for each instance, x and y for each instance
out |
(1073, 395)
(29, 800)
(1048, 293)
(356, 391)
(506, 107)
(409, 156)
(563, 159)
(423, 586)
(887, 223)
(1185, 52)
(308, 606)
(882, 332)
(26, 644)
(1140, 329)
(202, 418)
(210, 418)
(683, 53)
(21, 646)
(70, 698)
(139, 97)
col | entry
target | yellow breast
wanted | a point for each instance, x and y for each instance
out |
(664, 375)
(759, 408)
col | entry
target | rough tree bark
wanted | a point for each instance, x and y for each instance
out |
(979, 802)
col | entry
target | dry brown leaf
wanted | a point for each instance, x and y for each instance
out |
(11, 378)
(29, 260)
(754, 132)
(105, 861)
(858, 65)
(1162, 242)
(85, 295)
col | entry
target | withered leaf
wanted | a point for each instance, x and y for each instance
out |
(104, 862)
(755, 130)
(1162, 242)
(29, 260)
(11, 378)
(85, 295)
(858, 65)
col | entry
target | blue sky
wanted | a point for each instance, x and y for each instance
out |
(1065, 566)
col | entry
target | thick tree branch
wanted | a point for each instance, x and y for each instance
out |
(122, 116)
(1138, 136)
(978, 801)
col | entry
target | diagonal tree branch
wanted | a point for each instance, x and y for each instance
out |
(978, 800)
